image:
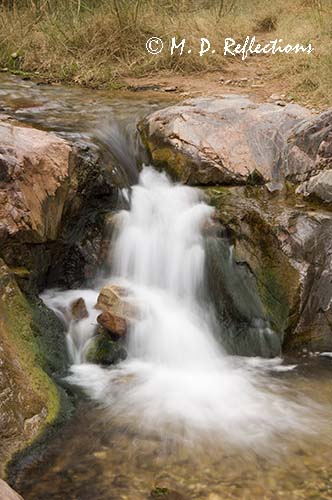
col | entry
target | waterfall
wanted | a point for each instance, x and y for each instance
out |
(177, 383)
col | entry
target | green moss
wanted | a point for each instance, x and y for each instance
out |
(105, 351)
(250, 213)
(21, 339)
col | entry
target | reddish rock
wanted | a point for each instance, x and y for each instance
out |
(78, 309)
(112, 323)
(35, 166)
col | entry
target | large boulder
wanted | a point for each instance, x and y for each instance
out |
(226, 141)
(117, 300)
(51, 192)
(286, 248)
(29, 398)
(35, 170)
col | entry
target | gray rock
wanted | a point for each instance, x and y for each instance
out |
(288, 251)
(225, 141)
(318, 186)
(309, 148)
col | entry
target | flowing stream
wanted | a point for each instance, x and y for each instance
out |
(177, 382)
(179, 418)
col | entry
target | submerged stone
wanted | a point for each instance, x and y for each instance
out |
(104, 351)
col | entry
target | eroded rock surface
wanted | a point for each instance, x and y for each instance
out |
(287, 248)
(227, 141)
(50, 195)
(35, 169)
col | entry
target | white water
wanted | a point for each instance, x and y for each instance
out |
(177, 382)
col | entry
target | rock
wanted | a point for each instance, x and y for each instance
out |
(287, 251)
(309, 148)
(29, 399)
(275, 97)
(78, 309)
(51, 191)
(104, 351)
(319, 186)
(34, 183)
(7, 493)
(116, 325)
(117, 301)
(307, 241)
(225, 141)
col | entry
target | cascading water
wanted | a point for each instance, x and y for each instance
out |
(176, 382)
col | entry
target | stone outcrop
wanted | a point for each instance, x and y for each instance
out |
(34, 183)
(50, 192)
(55, 197)
(318, 187)
(287, 250)
(7, 493)
(225, 141)
(309, 148)
(29, 399)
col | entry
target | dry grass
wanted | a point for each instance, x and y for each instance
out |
(99, 42)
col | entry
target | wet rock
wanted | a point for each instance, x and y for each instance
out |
(104, 351)
(287, 251)
(117, 301)
(7, 493)
(78, 309)
(29, 399)
(319, 186)
(225, 141)
(50, 191)
(307, 241)
(34, 182)
(116, 325)
(309, 148)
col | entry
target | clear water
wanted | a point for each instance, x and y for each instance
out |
(177, 383)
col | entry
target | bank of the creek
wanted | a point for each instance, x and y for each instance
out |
(209, 377)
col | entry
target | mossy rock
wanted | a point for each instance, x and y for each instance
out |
(104, 351)
(29, 398)
(251, 216)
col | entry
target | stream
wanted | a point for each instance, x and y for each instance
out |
(179, 418)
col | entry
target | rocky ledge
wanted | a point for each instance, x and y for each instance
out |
(55, 198)
(271, 168)
(234, 141)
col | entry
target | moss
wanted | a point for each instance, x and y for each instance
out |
(20, 336)
(105, 351)
(250, 214)
(34, 348)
